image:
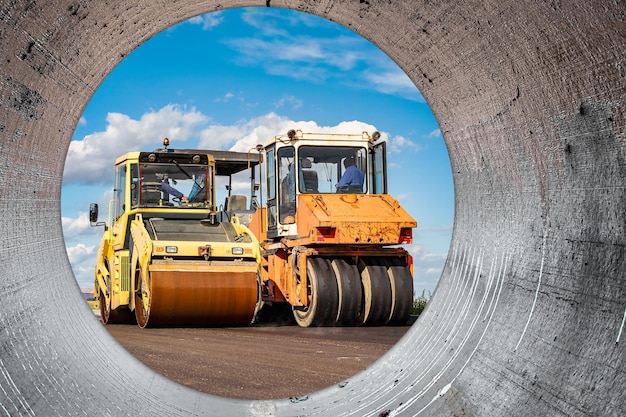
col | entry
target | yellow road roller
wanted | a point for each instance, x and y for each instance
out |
(167, 256)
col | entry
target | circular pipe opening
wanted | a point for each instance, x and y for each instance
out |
(111, 127)
(528, 316)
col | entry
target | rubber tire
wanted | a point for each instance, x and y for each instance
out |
(121, 315)
(350, 292)
(323, 295)
(105, 310)
(376, 308)
(142, 315)
(401, 282)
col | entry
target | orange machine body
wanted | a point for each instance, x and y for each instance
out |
(326, 251)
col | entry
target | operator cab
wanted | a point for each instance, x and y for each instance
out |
(169, 185)
(160, 183)
(228, 164)
(172, 178)
(305, 163)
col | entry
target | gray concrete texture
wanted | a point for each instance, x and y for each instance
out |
(528, 317)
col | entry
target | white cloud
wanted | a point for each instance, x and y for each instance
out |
(82, 258)
(286, 43)
(435, 134)
(244, 135)
(301, 57)
(80, 227)
(427, 269)
(289, 100)
(76, 226)
(225, 98)
(90, 160)
(80, 252)
(280, 49)
(271, 22)
(399, 144)
(207, 21)
(82, 241)
(393, 82)
(249, 133)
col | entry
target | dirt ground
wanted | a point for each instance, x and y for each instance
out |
(261, 362)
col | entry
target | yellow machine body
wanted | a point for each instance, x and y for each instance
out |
(164, 261)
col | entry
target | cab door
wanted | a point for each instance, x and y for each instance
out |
(272, 200)
(378, 172)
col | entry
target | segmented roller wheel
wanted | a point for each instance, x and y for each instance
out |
(121, 315)
(105, 309)
(141, 299)
(323, 295)
(401, 282)
(350, 292)
(376, 308)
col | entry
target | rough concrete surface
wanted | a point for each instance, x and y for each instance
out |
(528, 317)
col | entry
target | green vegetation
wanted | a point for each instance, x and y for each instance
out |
(419, 304)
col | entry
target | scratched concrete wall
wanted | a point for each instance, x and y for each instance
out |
(528, 317)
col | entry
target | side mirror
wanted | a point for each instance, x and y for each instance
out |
(93, 213)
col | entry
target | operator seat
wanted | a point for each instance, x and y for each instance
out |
(236, 202)
(151, 192)
(309, 176)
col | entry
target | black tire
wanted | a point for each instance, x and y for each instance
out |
(323, 297)
(142, 315)
(350, 292)
(376, 308)
(105, 310)
(120, 315)
(401, 282)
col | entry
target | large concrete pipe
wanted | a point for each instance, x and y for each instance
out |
(528, 318)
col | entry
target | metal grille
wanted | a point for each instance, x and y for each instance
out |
(124, 273)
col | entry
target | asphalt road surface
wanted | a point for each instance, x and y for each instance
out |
(261, 362)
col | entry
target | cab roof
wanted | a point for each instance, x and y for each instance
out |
(226, 162)
(332, 139)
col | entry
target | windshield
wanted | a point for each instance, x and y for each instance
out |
(170, 185)
(332, 169)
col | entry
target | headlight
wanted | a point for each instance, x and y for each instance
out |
(171, 249)
(237, 251)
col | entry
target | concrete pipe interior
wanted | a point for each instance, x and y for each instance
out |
(529, 313)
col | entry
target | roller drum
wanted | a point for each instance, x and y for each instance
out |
(193, 295)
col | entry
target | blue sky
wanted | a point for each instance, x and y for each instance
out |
(232, 79)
